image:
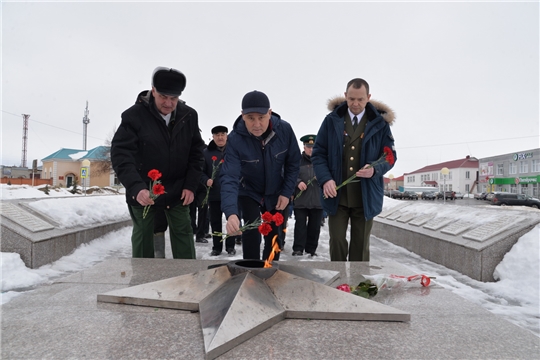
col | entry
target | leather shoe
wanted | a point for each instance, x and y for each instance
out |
(215, 253)
(231, 251)
(207, 236)
(201, 240)
(313, 254)
(238, 241)
(297, 253)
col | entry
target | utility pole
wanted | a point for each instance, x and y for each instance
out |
(24, 139)
(85, 121)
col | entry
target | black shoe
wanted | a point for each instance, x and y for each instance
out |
(313, 254)
(201, 240)
(297, 253)
(231, 251)
(215, 253)
(238, 241)
(207, 236)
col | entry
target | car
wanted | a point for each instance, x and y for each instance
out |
(458, 195)
(411, 195)
(504, 199)
(387, 193)
(394, 194)
(490, 195)
(447, 195)
(428, 195)
(480, 196)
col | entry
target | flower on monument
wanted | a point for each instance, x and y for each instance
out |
(214, 172)
(263, 224)
(387, 156)
(155, 188)
(301, 191)
(373, 283)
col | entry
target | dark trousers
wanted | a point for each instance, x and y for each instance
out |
(358, 249)
(251, 239)
(142, 237)
(200, 222)
(307, 229)
(216, 222)
(160, 221)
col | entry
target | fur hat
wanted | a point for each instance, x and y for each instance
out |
(168, 81)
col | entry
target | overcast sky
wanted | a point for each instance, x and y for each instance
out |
(463, 78)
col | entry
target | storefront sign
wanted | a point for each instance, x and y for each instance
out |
(522, 156)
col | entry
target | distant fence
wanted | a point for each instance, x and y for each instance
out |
(23, 181)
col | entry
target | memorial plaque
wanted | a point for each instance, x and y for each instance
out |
(488, 230)
(395, 215)
(406, 218)
(388, 212)
(457, 227)
(437, 223)
(422, 219)
(24, 218)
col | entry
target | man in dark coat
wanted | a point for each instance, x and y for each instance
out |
(213, 159)
(307, 204)
(261, 165)
(350, 138)
(160, 133)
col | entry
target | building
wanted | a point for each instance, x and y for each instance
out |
(462, 176)
(517, 173)
(65, 167)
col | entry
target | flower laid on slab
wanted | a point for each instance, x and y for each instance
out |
(155, 188)
(387, 156)
(373, 283)
(215, 168)
(263, 224)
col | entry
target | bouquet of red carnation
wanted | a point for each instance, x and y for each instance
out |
(387, 156)
(263, 224)
(214, 172)
(156, 188)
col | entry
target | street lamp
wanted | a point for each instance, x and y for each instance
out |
(85, 173)
(444, 172)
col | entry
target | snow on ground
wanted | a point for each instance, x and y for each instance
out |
(516, 296)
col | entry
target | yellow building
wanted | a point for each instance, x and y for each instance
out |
(65, 167)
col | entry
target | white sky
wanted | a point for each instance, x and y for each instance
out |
(462, 77)
(516, 297)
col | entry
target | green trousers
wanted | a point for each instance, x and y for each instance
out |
(358, 249)
(180, 231)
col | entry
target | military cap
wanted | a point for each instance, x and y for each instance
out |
(308, 140)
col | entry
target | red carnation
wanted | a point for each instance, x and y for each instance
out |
(344, 287)
(278, 219)
(265, 229)
(154, 174)
(158, 189)
(267, 217)
(389, 155)
(214, 158)
(222, 161)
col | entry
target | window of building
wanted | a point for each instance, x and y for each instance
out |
(524, 189)
(535, 165)
(513, 188)
(500, 169)
(523, 167)
(467, 188)
(512, 168)
(467, 174)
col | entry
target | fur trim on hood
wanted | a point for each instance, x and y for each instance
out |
(386, 112)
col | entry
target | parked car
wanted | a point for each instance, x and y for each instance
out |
(447, 195)
(504, 199)
(387, 193)
(411, 195)
(458, 195)
(490, 195)
(429, 195)
(394, 194)
(480, 196)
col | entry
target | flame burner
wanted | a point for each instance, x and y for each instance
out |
(256, 267)
(240, 299)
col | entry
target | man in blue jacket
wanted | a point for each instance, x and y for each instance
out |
(262, 160)
(350, 138)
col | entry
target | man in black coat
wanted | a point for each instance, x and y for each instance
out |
(307, 204)
(213, 159)
(161, 133)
